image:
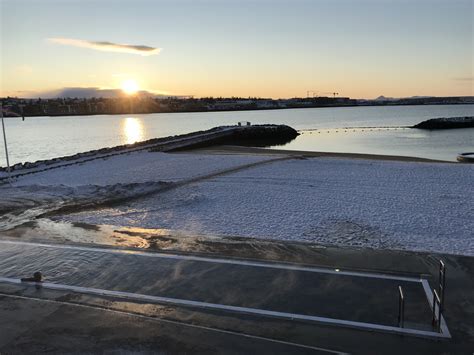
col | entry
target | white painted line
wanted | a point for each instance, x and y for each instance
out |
(228, 308)
(271, 265)
(162, 320)
(429, 296)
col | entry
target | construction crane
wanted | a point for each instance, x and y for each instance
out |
(312, 93)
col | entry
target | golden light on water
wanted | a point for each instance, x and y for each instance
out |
(132, 129)
(130, 87)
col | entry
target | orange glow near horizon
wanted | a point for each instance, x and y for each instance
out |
(224, 49)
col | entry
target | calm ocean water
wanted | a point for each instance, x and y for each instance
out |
(48, 137)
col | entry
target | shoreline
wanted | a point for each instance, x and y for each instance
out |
(262, 189)
(236, 110)
(43, 230)
(276, 134)
(232, 149)
(192, 143)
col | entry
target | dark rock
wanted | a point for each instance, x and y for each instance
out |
(447, 123)
(466, 158)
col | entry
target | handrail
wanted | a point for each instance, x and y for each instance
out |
(401, 307)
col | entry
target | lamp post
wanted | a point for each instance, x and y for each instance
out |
(5, 140)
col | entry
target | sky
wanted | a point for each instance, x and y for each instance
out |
(278, 49)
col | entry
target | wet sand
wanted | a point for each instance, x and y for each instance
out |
(231, 149)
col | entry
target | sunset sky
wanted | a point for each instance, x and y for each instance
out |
(359, 48)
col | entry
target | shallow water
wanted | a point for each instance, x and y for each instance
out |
(48, 137)
(214, 282)
(438, 145)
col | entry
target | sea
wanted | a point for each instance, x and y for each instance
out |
(361, 129)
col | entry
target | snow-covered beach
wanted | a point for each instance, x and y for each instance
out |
(325, 200)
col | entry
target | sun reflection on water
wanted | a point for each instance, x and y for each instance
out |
(132, 129)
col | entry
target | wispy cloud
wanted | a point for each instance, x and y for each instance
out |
(107, 46)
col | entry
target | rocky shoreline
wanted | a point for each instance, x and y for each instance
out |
(446, 123)
(254, 135)
(277, 134)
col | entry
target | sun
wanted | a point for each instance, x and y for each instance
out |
(130, 87)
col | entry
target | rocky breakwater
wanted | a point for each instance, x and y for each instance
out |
(258, 135)
(264, 135)
(159, 143)
(447, 123)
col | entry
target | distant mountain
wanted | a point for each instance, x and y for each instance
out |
(383, 98)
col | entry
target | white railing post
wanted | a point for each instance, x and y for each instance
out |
(5, 142)
(401, 307)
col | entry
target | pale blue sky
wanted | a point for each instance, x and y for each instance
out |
(359, 48)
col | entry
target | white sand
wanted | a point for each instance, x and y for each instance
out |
(367, 203)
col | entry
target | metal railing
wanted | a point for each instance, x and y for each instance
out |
(438, 301)
(438, 297)
(5, 142)
(401, 307)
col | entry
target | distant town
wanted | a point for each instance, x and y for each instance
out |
(18, 107)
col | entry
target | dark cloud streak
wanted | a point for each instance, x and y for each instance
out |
(107, 46)
(140, 48)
